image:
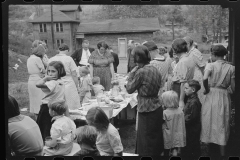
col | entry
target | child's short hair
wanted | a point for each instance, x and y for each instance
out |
(97, 118)
(179, 45)
(195, 84)
(170, 99)
(59, 106)
(58, 65)
(95, 80)
(87, 135)
(84, 70)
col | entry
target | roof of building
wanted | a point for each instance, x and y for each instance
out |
(70, 8)
(58, 16)
(119, 25)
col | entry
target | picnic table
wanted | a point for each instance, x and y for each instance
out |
(129, 101)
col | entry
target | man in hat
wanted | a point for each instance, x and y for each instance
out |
(159, 61)
(81, 56)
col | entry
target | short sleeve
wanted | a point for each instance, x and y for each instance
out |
(56, 131)
(110, 58)
(51, 85)
(115, 141)
(92, 58)
(209, 67)
(39, 63)
(73, 66)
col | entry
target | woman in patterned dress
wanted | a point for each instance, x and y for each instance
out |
(36, 64)
(200, 64)
(219, 81)
(101, 65)
(70, 80)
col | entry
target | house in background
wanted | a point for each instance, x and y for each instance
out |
(65, 20)
(116, 32)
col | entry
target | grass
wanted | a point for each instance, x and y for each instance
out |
(18, 88)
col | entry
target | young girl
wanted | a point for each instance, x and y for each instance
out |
(97, 87)
(62, 131)
(218, 80)
(108, 140)
(86, 138)
(53, 87)
(174, 132)
(85, 85)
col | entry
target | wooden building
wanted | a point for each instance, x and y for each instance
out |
(116, 32)
(66, 20)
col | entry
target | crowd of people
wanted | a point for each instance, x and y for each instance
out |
(183, 100)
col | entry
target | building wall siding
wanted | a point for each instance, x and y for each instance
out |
(112, 39)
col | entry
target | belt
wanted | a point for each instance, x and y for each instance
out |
(83, 65)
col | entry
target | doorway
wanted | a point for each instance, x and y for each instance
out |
(122, 47)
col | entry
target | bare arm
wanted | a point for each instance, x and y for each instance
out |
(182, 96)
(75, 78)
(91, 70)
(112, 70)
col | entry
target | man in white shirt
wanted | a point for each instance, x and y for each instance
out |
(80, 56)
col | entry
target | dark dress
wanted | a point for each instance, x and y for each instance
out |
(147, 82)
(192, 112)
(101, 68)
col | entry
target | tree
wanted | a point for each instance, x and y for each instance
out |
(174, 15)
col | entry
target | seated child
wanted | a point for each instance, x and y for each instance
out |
(97, 87)
(85, 86)
(108, 140)
(62, 131)
(192, 113)
(174, 132)
(86, 138)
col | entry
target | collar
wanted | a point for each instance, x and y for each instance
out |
(16, 118)
(159, 58)
(183, 55)
(193, 96)
(57, 117)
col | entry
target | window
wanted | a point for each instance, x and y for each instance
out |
(43, 27)
(59, 42)
(59, 27)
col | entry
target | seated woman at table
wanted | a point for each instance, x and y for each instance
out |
(97, 87)
(86, 138)
(85, 85)
(108, 140)
(62, 131)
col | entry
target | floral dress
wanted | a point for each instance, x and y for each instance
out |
(101, 67)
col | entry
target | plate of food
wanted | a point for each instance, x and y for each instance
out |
(116, 100)
(115, 105)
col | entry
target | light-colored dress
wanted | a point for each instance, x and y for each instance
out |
(174, 132)
(34, 66)
(217, 105)
(109, 142)
(85, 88)
(63, 129)
(199, 62)
(71, 93)
(101, 67)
